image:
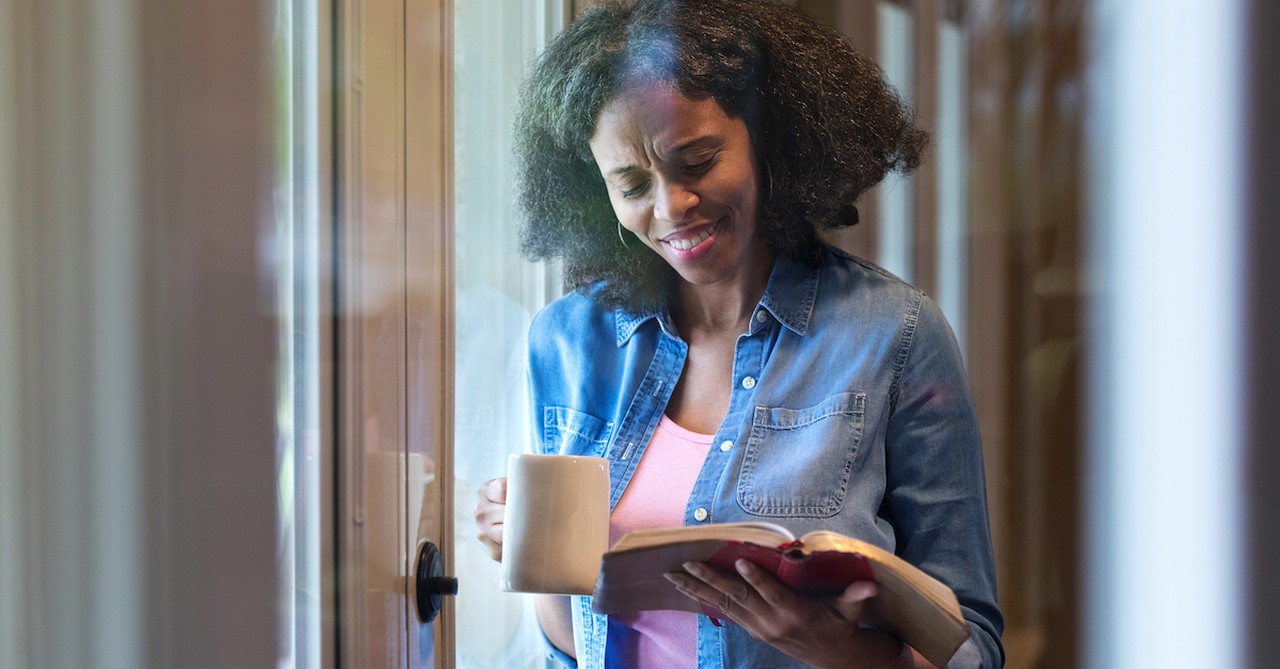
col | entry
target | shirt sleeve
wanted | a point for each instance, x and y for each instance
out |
(935, 482)
(555, 654)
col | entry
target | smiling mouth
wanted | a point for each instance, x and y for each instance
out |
(689, 242)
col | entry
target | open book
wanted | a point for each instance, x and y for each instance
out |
(910, 604)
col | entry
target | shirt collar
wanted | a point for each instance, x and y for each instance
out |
(628, 322)
(789, 296)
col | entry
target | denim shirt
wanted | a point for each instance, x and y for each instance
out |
(850, 411)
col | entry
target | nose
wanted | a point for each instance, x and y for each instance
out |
(673, 201)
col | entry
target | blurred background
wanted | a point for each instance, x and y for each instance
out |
(262, 318)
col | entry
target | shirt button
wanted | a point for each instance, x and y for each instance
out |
(748, 382)
(760, 316)
(726, 446)
(700, 515)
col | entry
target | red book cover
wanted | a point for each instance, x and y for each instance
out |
(817, 573)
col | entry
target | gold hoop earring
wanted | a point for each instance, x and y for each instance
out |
(621, 238)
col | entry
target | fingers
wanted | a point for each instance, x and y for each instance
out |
(859, 591)
(494, 490)
(754, 592)
(772, 591)
(849, 605)
(489, 514)
(814, 629)
(852, 602)
(716, 589)
(691, 585)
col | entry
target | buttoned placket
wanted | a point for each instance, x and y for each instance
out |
(748, 365)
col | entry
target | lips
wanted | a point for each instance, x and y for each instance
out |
(685, 241)
(686, 244)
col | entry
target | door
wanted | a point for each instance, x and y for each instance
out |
(394, 325)
(432, 306)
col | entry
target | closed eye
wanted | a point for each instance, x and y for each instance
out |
(638, 189)
(700, 168)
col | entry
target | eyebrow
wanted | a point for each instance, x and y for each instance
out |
(698, 143)
(625, 169)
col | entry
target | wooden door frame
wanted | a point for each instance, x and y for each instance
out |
(394, 320)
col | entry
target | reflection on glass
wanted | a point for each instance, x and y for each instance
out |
(951, 146)
(497, 292)
(296, 255)
(896, 56)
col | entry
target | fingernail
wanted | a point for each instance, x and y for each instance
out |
(675, 577)
(743, 566)
(693, 568)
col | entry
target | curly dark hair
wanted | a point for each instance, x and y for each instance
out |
(823, 121)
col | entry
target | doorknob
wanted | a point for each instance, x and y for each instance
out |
(432, 584)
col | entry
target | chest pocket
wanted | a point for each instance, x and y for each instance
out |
(798, 461)
(571, 432)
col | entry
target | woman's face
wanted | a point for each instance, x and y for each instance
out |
(682, 177)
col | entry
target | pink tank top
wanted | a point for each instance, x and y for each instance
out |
(656, 497)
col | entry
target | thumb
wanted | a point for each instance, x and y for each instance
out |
(853, 600)
(494, 490)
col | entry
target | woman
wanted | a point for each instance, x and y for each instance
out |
(681, 157)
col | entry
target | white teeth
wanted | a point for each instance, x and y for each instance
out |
(686, 244)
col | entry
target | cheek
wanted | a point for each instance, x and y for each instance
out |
(630, 216)
(750, 196)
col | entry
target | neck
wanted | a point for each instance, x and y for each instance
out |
(726, 306)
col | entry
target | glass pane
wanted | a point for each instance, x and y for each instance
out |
(297, 301)
(952, 156)
(497, 292)
(896, 55)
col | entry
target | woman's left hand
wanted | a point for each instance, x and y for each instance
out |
(823, 632)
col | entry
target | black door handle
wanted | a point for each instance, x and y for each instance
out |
(432, 584)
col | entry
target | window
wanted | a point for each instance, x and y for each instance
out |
(896, 55)
(302, 545)
(497, 292)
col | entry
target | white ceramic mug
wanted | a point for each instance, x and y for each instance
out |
(556, 526)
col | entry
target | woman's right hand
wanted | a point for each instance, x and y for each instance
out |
(491, 509)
